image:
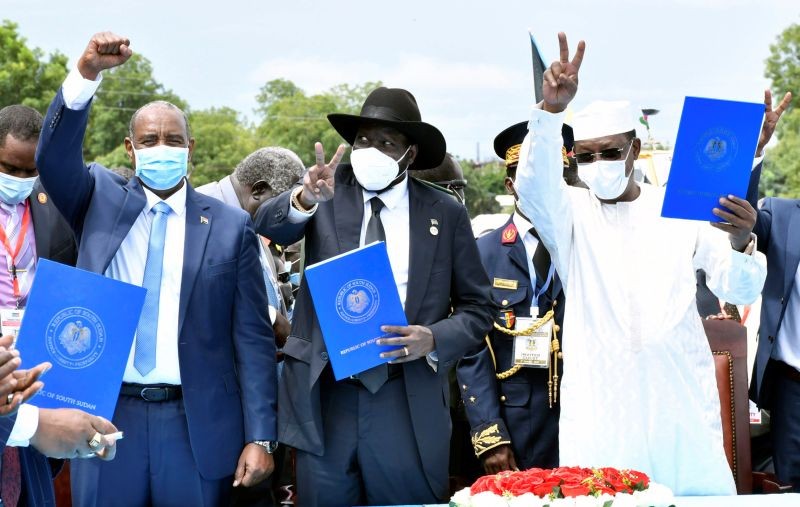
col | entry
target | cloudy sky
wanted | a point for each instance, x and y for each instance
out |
(467, 62)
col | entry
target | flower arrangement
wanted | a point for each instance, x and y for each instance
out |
(564, 487)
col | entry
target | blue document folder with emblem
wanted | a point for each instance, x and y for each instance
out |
(83, 323)
(713, 156)
(354, 295)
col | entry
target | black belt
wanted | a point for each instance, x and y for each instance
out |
(395, 371)
(787, 371)
(154, 393)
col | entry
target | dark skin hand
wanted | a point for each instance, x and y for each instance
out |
(740, 217)
(560, 81)
(417, 340)
(66, 432)
(318, 181)
(255, 465)
(499, 459)
(281, 328)
(771, 118)
(22, 384)
(104, 51)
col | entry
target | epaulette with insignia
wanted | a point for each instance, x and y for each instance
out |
(509, 234)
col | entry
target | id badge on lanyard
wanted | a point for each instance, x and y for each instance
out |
(10, 322)
(532, 350)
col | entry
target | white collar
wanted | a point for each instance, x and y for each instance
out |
(176, 202)
(392, 197)
(523, 226)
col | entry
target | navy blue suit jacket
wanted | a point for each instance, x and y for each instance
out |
(514, 410)
(226, 347)
(445, 279)
(778, 231)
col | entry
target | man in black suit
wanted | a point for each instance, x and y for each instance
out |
(382, 437)
(63, 433)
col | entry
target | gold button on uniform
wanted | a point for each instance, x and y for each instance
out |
(503, 398)
(505, 302)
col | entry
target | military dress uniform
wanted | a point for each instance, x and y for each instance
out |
(506, 403)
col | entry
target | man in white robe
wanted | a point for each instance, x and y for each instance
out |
(639, 388)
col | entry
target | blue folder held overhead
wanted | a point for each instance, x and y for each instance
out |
(83, 323)
(354, 295)
(713, 156)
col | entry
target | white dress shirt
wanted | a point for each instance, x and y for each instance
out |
(787, 346)
(394, 217)
(531, 242)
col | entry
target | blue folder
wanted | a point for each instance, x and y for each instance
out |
(713, 156)
(83, 323)
(354, 295)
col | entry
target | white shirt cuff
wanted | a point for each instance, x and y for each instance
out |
(544, 123)
(78, 91)
(433, 361)
(757, 161)
(24, 427)
(297, 216)
(273, 314)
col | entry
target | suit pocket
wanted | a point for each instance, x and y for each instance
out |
(508, 298)
(298, 348)
(221, 268)
(517, 393)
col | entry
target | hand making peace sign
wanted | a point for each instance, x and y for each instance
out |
(560, 81)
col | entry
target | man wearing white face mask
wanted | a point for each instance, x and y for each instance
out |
(639, 388)
(197, 403)
(381, 437)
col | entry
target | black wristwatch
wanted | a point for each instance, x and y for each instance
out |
(267, 445)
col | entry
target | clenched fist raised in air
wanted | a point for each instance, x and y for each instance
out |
(104, 51)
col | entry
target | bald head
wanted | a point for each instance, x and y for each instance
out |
(159, 107)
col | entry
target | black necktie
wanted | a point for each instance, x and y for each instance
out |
(375, 230)
(375, 377)
(541, 263)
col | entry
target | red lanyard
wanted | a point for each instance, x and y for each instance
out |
(26, 218)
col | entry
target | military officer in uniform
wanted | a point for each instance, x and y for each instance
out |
(510, 387)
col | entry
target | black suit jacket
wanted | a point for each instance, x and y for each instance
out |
(444, 272)
(54, 241)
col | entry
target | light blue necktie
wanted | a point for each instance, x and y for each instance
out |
(144, 358)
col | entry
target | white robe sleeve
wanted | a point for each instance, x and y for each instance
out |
(543, 194)
(732, 276)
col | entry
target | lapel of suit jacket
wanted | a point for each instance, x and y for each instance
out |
(133, 204)
(348, 209)
(422, 212)
(198, 227)
(792, 249)
(40, 217)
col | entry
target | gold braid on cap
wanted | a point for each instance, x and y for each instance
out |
(512, 155)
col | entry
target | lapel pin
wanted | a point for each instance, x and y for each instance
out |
(203, 220)
(434, 230)
(42, 197)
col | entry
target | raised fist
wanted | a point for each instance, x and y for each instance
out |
(104, 51)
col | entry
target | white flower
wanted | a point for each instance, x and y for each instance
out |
(488, 499)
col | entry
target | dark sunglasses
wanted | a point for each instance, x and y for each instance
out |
(607, 154)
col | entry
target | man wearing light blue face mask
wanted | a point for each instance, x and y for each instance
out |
(197, 402)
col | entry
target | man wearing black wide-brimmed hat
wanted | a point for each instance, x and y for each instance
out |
(382, 437)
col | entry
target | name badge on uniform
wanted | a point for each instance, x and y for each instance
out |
(10, 322)
(503, 283)
(533, 350)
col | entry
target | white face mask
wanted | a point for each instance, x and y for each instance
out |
(373, 169)
(605, 178)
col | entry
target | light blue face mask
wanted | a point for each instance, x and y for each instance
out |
(14, 190)
(161, 167)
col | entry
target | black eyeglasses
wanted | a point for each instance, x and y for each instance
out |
(453, 185)
(607, 154)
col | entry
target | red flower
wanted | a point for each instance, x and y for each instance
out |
(570, 490)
